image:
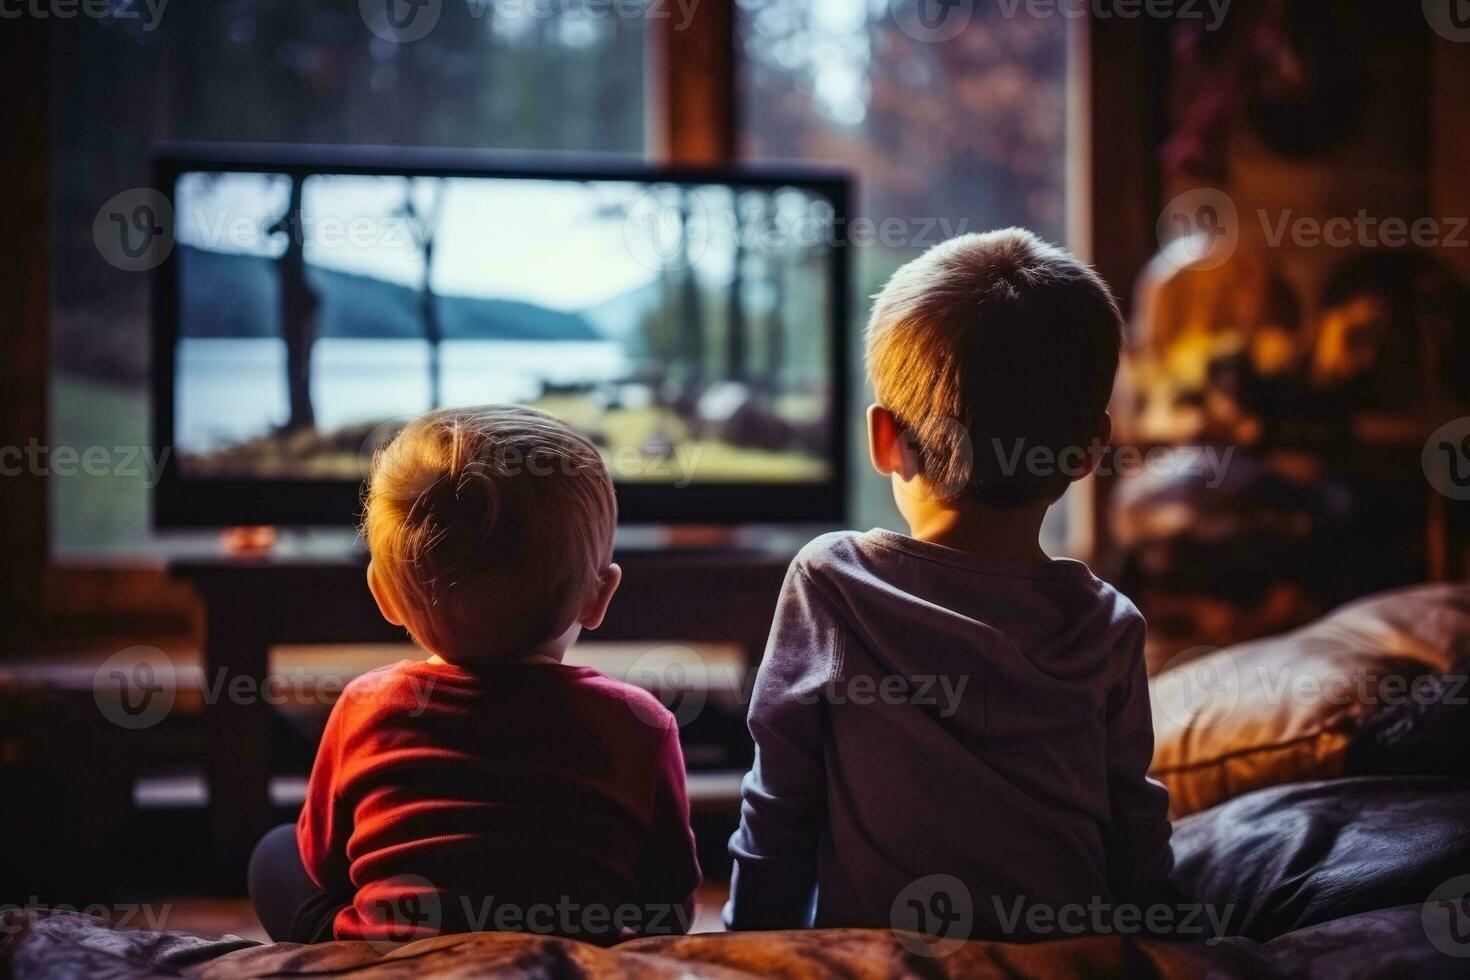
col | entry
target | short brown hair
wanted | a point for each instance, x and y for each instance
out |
(986, 343)
(492, 525)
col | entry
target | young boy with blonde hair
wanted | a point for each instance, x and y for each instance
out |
(949, 721)
(489, 786)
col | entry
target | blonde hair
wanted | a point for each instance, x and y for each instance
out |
(987, 341)
(492, 526)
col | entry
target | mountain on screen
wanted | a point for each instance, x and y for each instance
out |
(229, 295)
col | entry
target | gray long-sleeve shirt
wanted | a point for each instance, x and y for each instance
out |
(921, 711)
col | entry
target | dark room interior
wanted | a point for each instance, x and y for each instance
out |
(300, 298)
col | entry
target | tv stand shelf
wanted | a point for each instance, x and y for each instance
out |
(254, 603)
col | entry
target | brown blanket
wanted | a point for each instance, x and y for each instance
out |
(1385, 943)
(63, 944)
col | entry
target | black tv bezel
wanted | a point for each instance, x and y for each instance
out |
(182, 502)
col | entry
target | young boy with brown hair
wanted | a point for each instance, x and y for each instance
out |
(489, 786)
(953, 702)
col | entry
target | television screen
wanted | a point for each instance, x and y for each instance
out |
(687, 324)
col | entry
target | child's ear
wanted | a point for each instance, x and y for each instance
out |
(1102, 436)
(596, 608)
(383, 596)
(889, 447)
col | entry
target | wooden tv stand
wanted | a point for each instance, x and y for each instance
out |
(669, 594)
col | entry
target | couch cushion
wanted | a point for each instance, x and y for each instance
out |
(1286, 708)
(1386, 943)
(51, 943)
(1288, 857)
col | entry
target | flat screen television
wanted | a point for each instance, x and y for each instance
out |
(314, 299)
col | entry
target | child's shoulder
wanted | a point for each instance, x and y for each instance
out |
(633, 703)
(1122, 609)
(392, 685)
(829, 553)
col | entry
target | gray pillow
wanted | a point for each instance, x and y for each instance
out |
(1287, 857)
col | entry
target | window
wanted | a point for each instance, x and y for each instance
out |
(946, 134)
(485, 74)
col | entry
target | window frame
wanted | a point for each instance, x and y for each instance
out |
(25, 165)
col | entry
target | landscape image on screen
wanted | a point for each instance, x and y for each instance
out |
(683, 328)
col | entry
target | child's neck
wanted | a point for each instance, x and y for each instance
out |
(529, 659)
(975, 528)
(547, 652)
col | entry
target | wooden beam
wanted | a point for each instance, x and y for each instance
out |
(693, 92)
(1126, 64)
(1448, 526)
(25, 173)
(1449, 141)
(1126, 74)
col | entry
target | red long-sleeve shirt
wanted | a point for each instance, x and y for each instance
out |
(516, 797)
